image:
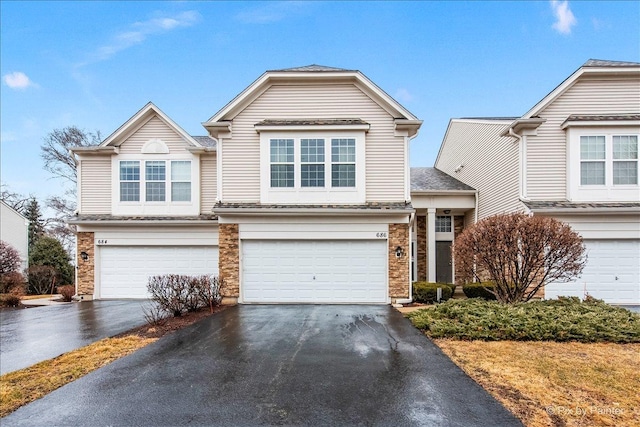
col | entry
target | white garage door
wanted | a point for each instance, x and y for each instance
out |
(612, 273)
(125, 270)
(314, 271)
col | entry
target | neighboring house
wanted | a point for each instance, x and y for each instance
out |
(300, 193)
(574, 157)
(14, 230)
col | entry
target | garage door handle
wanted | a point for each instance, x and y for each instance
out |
(314, 278)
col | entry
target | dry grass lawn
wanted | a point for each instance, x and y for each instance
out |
(556, 384)
(26, 385)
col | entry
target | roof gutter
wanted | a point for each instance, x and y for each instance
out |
(310, 211)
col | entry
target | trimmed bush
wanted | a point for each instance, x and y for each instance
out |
(427, 292)
(564, 319)
(13, 282)
(67, 292)
(479, 290)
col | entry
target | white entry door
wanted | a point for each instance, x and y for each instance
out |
(125, 270)
(285, 271)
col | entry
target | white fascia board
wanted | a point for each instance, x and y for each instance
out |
(142, 116)
(586, 211)
(202, 150)
(298, 128)
(308, 212)
(96, 150)
(445, 192)
(599, 123)
(137, 223)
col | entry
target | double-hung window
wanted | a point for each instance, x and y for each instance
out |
(625, 159)
(592, 160)
(282, 163)
(343, 162)
(155, 177)
(312, 162)
(130, 181)
(180, 181)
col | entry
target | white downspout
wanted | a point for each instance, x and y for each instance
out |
(521, 154)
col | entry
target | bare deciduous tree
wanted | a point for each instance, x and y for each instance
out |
(55, 151)
(520, 253)
(15, 200)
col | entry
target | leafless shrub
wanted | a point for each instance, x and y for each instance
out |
(42, 279)
(179, 293)
(13, 282)
(520, 254)
(67, 292)
(10, 260)
(154, 314)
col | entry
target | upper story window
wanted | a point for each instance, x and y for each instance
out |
(608, 160)
(443, 224)
(153, 186)
(343, 162)
(282, 163)
(130, 181)
(312, 162)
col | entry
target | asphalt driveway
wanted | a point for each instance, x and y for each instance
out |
(29, 336)
(277, 365)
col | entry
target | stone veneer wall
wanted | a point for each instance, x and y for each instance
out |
(421, 250)
(229, 262)
(399, 267)
(86, 269)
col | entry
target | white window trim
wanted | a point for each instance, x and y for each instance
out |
(311, 195)
(444, 235)
(597, 193)
(166, 207)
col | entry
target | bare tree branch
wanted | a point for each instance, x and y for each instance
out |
(58, 160)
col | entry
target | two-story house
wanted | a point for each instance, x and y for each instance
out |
(300, 193)
(574, 157)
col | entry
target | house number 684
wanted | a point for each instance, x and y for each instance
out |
(102, 241)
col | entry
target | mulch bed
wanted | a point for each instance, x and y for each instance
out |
(171, 324)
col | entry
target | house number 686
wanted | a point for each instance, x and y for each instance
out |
(382, 235)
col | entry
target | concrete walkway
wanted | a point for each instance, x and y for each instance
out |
(31, 335)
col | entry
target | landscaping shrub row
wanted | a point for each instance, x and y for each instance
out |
(176, 294)
(427, 292)
(564, 319)
(479, 290)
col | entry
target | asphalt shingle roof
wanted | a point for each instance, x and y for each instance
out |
(605, 63)
(564, 204)
(371, 206)
(205, 141)
(306, 122)
(312, 67)
(432, 179)
(608, 117)
(107, 218)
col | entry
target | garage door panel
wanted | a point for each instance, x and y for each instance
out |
(314, 271)
(125, 271)
(612, 273)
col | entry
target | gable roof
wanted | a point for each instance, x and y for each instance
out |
(432, 179)
(591, 67)
(141, 117)
(313, 67)
(8, 206)
(311, 73)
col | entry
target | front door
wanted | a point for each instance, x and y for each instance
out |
(444, 272)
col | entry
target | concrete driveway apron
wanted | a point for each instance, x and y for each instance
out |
(278, 365)
(29, 336)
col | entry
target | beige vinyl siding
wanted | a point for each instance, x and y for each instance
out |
(546, 152)
(95, 185)
(490, 164)
(208, 183)
(384, 152)
(153, 128)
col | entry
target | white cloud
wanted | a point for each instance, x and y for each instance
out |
(17, 80)
(564, 17)
(138, 32)
(273, 12)
(403, 95)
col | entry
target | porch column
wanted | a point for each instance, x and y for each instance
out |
(431, 244)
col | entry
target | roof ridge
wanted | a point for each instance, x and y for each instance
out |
(312, 68)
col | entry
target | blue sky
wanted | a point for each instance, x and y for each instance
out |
(94, 64)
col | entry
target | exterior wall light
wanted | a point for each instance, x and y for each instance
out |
(84, 256)
(399, 252)
(447, 211)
